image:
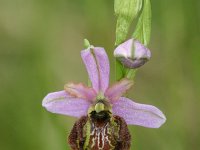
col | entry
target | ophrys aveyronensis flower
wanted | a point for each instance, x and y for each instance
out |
(103, 112)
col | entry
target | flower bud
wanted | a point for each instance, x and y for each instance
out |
(132, 54)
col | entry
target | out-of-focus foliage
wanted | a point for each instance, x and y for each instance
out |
(40, 43)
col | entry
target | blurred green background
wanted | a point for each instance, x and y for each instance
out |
(40, 43)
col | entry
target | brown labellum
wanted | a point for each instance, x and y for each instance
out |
(100, 131)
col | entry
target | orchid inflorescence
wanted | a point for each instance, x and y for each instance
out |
(103, 111)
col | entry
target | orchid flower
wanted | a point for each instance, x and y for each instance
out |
(78, 100)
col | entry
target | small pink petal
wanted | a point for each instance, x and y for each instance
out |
(97, 65)
(118, 89)
(80, 91)
(62, 103)
(138, 114)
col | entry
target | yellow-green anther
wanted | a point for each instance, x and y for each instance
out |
(99, 107)
(86, 43)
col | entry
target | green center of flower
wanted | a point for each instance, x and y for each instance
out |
(99, 107)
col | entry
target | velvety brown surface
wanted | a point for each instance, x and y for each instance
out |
(104, 134)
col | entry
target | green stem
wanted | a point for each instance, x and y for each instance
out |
(119, 70)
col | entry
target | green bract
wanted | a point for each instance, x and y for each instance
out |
(143, 28)
(126, 11)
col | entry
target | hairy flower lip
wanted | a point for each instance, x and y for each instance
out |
(132, 54)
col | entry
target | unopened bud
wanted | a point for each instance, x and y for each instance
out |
(132, 54)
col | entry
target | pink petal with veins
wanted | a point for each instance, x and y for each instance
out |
(62, 103)
(138, 114)
(98, 68)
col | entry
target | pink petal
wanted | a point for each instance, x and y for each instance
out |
(138, 114)
(139, 51)
(97, 65)
(118, 89)
(62, 103)
(80, 91)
